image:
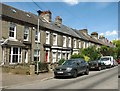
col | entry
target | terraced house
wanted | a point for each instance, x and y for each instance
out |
(23, 41)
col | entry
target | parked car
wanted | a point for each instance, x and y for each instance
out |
(72, 67)
(97, 64)
(118, 60)
(108, 61)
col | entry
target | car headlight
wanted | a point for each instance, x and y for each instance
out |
(69, 69)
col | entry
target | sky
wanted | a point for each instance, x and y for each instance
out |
(101, 17)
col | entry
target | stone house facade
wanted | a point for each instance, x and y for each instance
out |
(23, 41)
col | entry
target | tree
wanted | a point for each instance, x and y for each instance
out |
(117, 47)
(91, 52)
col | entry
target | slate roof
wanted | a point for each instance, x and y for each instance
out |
(11, 12)
(27, 17)
(9, 42)
(79, 34)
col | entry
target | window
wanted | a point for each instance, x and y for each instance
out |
(12, 30)
(54, 39)
(47, 37)
(26, 56)
(54, 57)
(69, 42)
(15, 55)
(59, 56)
(37, 55)
(84, 45)
(64, 55)
(74, 43)
(64, 41)
(26, 33)
(37, 36)
(79, 44)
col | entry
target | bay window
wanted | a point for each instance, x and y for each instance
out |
(15, 55)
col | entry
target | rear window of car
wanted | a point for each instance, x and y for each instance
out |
(104, 59)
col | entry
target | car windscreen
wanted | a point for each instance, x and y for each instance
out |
(104, 59)
(69, 62)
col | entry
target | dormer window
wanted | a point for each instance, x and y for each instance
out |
(13, 10)
(28, 15)
(12, 30)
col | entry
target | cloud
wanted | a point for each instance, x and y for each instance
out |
(101, 34)
(111, 33)
(71, 2)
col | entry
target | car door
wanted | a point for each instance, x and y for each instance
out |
(83, 65)
(79, 67)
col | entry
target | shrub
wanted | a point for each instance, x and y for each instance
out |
(77, 56)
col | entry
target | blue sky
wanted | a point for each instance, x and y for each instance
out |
(101, 17)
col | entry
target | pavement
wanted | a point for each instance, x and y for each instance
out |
(9, 79)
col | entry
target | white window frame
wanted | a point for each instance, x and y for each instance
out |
(26, 56)
(37, 55)
(26, 32)
(84, 45)
(38, 36)
(59, 56)
(19, 54)
(3, 54)
(47, 37)
(14, 30)
(54, 42)
(75, 43)
(54, 58)
(69, 41)
(80, 44)
(64, 41)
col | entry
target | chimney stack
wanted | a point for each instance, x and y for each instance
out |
(94, 35)
(58, 21)
(101, 37)
(45, 15)
(85, 31)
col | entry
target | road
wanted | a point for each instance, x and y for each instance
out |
(105, 79)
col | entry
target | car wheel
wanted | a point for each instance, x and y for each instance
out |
(99, 68)
(74, 73)
(87, 72)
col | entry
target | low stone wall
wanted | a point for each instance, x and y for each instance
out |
(17, 69)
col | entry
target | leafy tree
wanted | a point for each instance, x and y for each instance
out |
(91, 52)
(117, 47)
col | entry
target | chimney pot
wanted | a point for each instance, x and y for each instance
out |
(58, 21)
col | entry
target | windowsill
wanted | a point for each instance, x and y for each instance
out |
(55, 45)
(25, 40)
(37, 41)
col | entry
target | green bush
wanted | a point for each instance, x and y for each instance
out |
(77, 56)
